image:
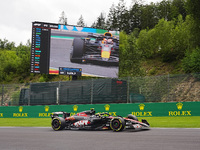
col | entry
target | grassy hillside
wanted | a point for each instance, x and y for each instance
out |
(158, 67)
(151, 67)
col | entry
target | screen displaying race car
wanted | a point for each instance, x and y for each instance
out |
(93, 51)
(96, 48)
(90, 120)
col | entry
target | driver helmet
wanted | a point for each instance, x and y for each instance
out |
(92, 111)
(109, 41)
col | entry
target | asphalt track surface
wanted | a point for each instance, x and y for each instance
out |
(60, 56)
(33, 138)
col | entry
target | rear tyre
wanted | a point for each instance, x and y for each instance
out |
(132, 117)
(58, 123)
(77, 50)
(117, 124)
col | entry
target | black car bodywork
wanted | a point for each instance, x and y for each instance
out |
(91, 121)
(96, 48)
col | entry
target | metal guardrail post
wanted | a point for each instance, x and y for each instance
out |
(57, 95)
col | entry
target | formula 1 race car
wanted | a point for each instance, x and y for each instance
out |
(91, 121)
(96, 48)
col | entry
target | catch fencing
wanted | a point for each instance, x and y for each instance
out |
(10, 94)
(165, 88)
(78, 92)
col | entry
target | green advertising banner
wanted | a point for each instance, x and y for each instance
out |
(138, 109)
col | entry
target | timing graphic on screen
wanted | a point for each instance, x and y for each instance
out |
(55, 46)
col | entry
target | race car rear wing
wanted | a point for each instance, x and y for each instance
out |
(100, 37)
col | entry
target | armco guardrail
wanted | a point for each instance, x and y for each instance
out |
(138, 109)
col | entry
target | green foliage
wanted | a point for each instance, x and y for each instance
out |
(149, 16)
(157, 41)
(23, 52)
(143, 16)
(192, 7)
(181, 37)
(4, 44)
(130, 56)
(100, 23)
(111, 22)
(152, 71)
(148, 43)
(81, 21)
(118, 17)
(168, 40)
(14, 62)
(9, 64)
(191, 63)
(164, 10)
(177, 7)
(42, 79)
(163, 35)
(46, 77)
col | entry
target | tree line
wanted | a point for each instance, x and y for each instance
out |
(14, 61)
(138, 15)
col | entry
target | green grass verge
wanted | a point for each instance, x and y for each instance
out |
(163, 122)
(25, 122)
(174, 122)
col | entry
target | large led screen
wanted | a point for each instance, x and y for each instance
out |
(62, 49)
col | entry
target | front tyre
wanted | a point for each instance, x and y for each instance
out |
(117, 124)
(77, 50)
(58, 123)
